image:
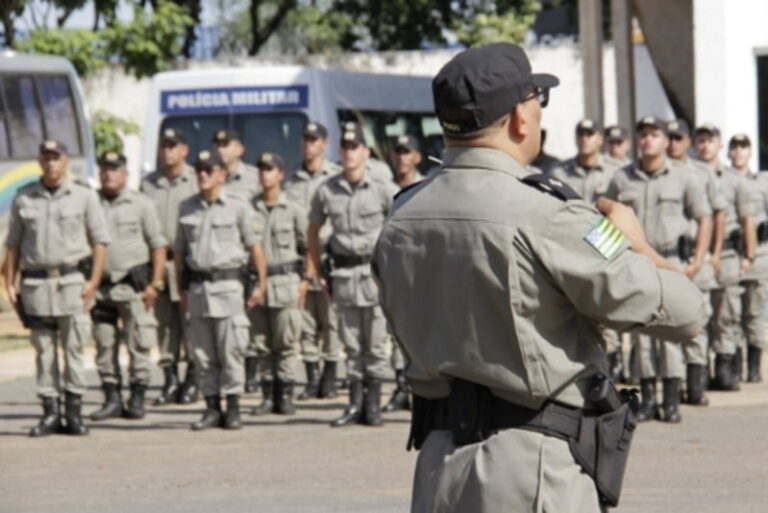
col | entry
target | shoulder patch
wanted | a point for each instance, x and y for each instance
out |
(605, 237)
(551, 186)
(406, 189)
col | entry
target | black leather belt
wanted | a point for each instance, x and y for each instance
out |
(669, 253)
(288, 268)
(215, 275)
(49, 273)
(729, 244)
(340, 261)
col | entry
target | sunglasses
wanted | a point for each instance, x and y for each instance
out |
(540, 94)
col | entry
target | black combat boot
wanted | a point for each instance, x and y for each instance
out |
(753, 364)
(312, 390)
(695, 384)
(649, 408)
(135, 409)
(73, 404)
(616, 366)
(170, 387)
(113, 403)
(49, 422)
(400, 399)
(354, 411)
(232, 417)
(267, 401)
(212, 415)
(724, 373)
(251, 383)
(738, 365)
(671, 402)
(328, 388)
(189, 391)
(372, 403)
(284, 398)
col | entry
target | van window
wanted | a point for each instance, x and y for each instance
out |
(5, 151)
(261, 132)
(59, 111)
(24, 120)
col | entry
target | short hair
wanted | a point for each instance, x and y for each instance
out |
(480, 132)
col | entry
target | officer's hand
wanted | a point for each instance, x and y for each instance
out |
(303, 289)
(89, 290)
(257, 296)
(692, 270)
(11, 291)
(746, 265)
(715, 261)
(624, 218)
(150, 297)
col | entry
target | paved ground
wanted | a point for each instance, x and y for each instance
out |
(714, 462)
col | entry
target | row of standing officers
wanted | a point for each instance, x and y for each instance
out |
(229, 267)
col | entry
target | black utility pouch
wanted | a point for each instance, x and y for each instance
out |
(140, 276)
(602, 448)
(685, 248)
(762, 232)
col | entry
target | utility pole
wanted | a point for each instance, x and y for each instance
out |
(591, 39)
(623, 44)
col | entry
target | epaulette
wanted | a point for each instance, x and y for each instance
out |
(551, 186)
(406, 189)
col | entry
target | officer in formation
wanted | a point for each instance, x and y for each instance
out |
(57, 240)
(494, 281)
(666, 197)
(320, 336)
(217, 234)
(617, 145)
(242, 178)
(753, 281)
(134, 275)
(356, 204)
(278, 321)
(168, 187)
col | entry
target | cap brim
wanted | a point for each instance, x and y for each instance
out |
(545, 80)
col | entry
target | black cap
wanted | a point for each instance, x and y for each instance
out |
(406, 142)
(53, 146)
(112, 158)
(352, 132)
(588, 125)
(739, 140)
(652, 121)
(172, 135)
(315, 129)
(707, 128)
(678, 127)
(615, 133)
(270, 160)
(480, 85)
(224, 136)
(206, 159)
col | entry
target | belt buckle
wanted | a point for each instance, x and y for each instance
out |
(54, 273)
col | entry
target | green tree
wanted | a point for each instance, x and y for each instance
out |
(83, 47)
(9, 11)
(510, 22)
(309, 29)
(110, 130)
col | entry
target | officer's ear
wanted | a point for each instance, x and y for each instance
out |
(417, 158)
(518, 125)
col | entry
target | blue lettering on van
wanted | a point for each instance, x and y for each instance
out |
(234, 99)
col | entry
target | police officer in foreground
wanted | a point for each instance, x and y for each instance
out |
(134, 274)
(168, 187)
(242, 178)
(320, 334)
(506, 361)
(278, 322)
(733, 252)
(754, 280)
(216, 236)
(57, 239)
(356, 204)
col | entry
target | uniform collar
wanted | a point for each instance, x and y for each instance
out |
(187, 173)
(223, 199)
(122, 197)
(64, 188)
(237, 174)
(639, 172)
(364, 182)
(282, 202)
(305, 174)
(483, 158)
(582, 170)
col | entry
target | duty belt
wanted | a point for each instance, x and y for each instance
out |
(669, 253)
(288, 268)
(216, 275)
(49, 273)
(728, 244)
(340, 261)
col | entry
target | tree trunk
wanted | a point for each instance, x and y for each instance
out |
(261, 36)
(9, 31)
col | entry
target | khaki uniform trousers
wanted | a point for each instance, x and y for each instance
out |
(653, 358)
(512, 471)
(73, 333)
(170, 330)
(696, 351)
(139, 328)
(752, 318)
(276, 333)
(363, 331)
(218, 345)
(320, 331)
(726, 307)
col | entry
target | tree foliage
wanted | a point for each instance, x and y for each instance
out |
(110, 130)
(9, 11)
(83, 47)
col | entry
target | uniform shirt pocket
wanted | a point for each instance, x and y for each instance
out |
(670, 204)
(224, 229)
(70, 220)
(629, 199)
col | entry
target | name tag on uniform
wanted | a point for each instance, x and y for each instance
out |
(605, 238)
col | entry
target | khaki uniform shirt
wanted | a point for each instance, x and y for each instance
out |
(512, 285)
(168, 193)
(53, 230)
(379, 170)
(589, 183)
(285, 239)
(758, 188)
(735, 190)
(215, 236)
(357, 214)
(664, 201)
(244, 182)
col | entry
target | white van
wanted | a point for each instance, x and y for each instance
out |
(269, 107)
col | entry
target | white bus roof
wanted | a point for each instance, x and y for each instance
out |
(13, 61)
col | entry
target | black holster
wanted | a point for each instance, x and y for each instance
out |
(85, 266)
(250, 280)
(736, 237)
(33, 321)
(762, 232)
(326, 270)
(105, 313)
(140, 277)
(685, 248)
